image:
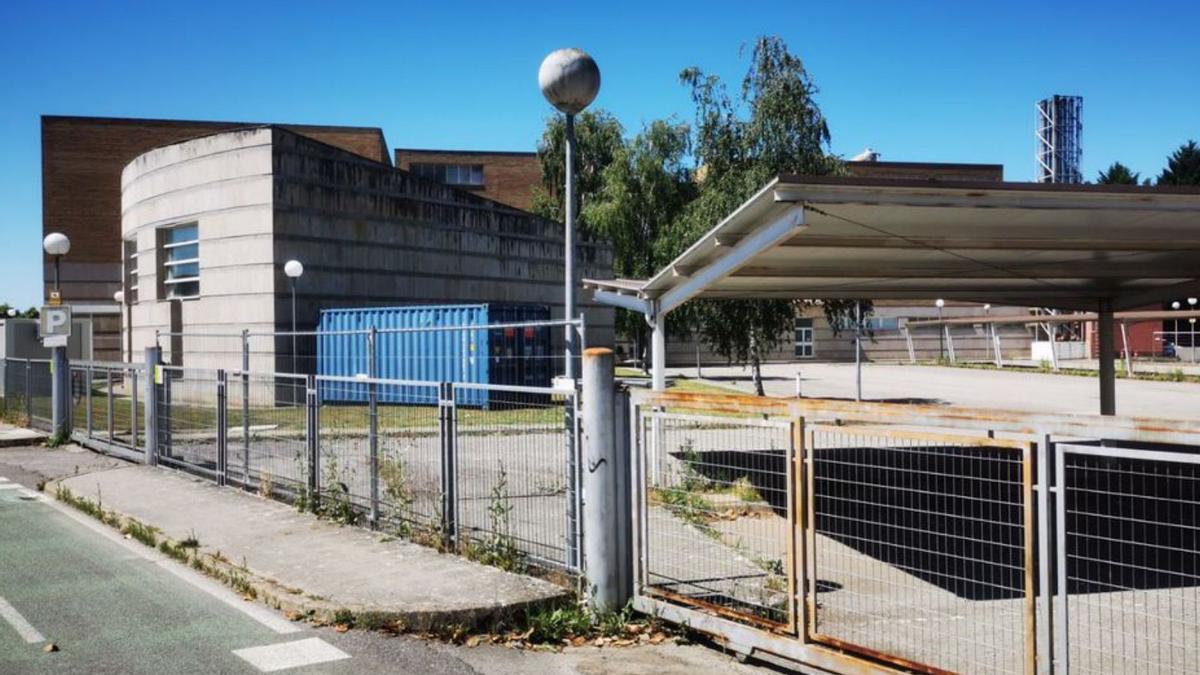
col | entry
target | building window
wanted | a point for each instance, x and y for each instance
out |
(180, 255)
(804, 338)
(881, 323)
(462, 175)
(131, 270)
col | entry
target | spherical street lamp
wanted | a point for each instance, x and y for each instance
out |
(12, 312)
(940, 303)
(293, 269)
(570, 80)
(119, 297)
(56, 244)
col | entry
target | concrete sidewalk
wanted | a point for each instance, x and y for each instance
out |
(296, 562)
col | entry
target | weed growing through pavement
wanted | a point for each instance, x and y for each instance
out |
(498, 547)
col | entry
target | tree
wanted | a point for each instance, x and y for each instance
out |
(1183, 166)
(1118, 174)
(645, 186)
(599, 138)
(782, 131)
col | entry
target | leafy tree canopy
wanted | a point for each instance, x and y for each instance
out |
(1183, 166)
(1118, 174)
(599, 137)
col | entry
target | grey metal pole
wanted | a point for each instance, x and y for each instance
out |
(245, 407)
(601, 511)
(1108, 372)
(153, 358)
(373, 424)
(294, 370)
(222, 431)
(941, 339)
(60, 380)
(858, 350)
(569, 249)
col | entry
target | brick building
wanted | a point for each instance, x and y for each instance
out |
(82, 159)
(507, 177)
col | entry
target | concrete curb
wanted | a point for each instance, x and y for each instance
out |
(298, 605)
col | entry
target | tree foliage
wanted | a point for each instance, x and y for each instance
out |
(774, 127)
(1183, 166)
(1118, 174)
(653, 196)
(646, 185)
(599, 137)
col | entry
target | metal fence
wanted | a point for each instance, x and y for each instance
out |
(27, 392)
(106, 407)
(862, 536)
(1128, 536)
(489, 470)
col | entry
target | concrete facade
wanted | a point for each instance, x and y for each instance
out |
(368, 235)
(82, 160)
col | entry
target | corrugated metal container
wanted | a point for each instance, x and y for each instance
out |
(511, 356)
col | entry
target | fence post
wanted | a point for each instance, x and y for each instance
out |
(373, 424)
(108, 410)
(29, 391)
(1045, 527)
(623, 472)
(245, 407)
(60, 393)
(449, 464)
(601, 508)
(153, 357)
(312, 433)
(222, 431)
(87, 385)
(133, 406)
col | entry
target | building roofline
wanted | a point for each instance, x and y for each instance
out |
(436, 151)
(232, 123)
(988, 185)
(927, 165)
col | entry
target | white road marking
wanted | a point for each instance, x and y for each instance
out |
(269, 658)
(255, 611)
(18, 622)
(10, 486)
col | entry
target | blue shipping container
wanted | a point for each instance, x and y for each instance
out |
(511, 356)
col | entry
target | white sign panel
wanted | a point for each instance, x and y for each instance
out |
(55, 322)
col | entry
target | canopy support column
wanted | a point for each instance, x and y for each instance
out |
(658, 351)
(1108, 372)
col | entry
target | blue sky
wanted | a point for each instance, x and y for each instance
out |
(917, 81)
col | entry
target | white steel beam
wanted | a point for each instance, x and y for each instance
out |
(632, 303)
(762, 239)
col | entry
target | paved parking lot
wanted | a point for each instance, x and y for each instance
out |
(1003, 389)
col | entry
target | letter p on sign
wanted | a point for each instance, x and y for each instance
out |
(56, 321)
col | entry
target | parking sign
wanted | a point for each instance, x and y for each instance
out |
(55, 325)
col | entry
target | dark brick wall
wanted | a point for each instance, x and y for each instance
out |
(82, 159)
(508, 177)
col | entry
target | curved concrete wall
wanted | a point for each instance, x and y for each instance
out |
(223, 183)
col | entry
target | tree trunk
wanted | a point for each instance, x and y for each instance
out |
(756, 367)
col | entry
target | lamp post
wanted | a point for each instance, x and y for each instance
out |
(12, 312)
(570, 80)
(940, 303)
(1175, 329)
(119, 298)
(1192, 331)
(294, 269)
(56, 245)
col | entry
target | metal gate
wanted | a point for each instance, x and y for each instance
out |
(1128, 582)
(718, 529)
(105, 413)
(920, 548)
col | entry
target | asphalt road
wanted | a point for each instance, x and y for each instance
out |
(112, 605)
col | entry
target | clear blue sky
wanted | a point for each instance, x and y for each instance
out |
(949, 81)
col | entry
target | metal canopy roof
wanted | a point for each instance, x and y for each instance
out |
(1032, 244)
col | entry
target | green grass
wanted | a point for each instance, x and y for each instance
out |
(292, 417)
